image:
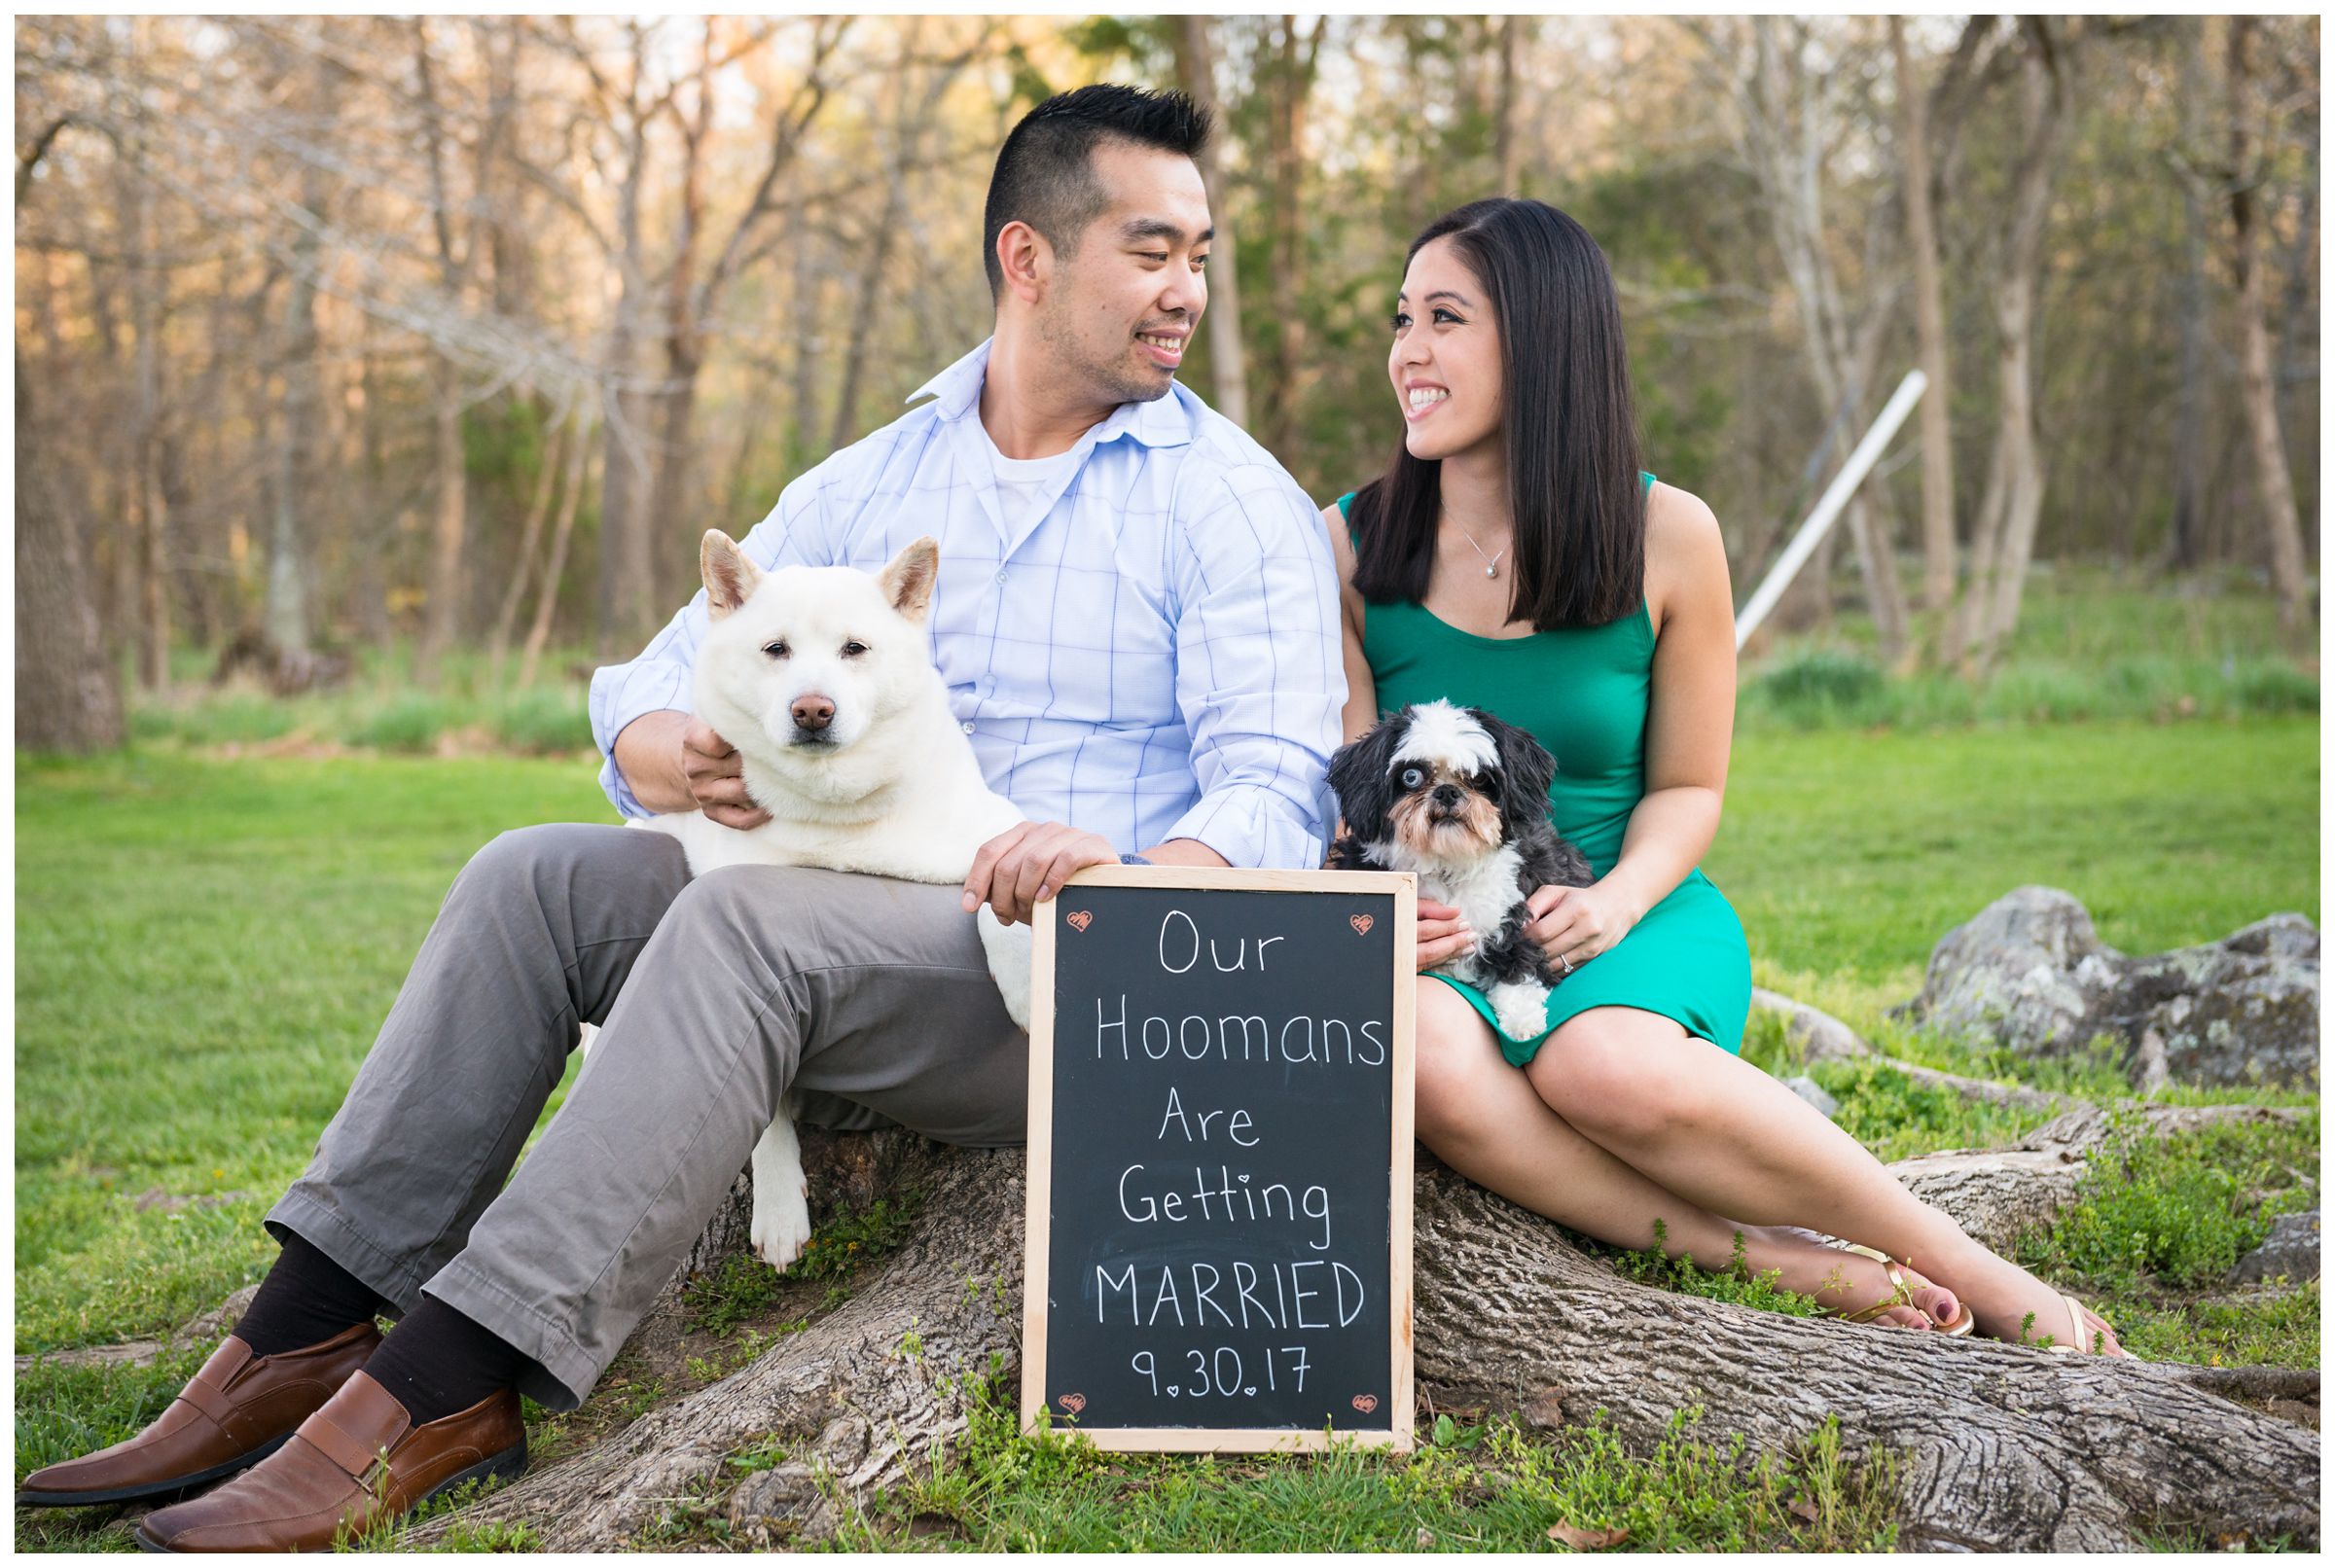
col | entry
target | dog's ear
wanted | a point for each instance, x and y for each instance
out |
(906, 579)
(1358, 775)
(729, 577)
(1527, 771)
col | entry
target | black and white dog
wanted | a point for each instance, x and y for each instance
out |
(1462, 798)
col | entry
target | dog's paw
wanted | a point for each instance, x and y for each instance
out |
(781, 1224)
(1520, 1008)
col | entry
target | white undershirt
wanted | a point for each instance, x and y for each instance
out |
(1024, 483)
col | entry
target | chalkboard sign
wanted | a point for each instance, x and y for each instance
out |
(1220, 1126)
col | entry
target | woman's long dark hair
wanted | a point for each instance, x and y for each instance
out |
(1568, 418)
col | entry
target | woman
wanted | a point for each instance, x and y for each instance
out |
(1513, 557)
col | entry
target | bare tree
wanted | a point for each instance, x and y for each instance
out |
(1929, 320)
(1227, 360)
(2004, 533)
(2282, 527)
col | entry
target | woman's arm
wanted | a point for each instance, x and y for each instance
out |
(1361, 709)
(1690, 724)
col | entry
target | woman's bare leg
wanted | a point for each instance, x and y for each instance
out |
(1483, 1119)
(1715, 1130)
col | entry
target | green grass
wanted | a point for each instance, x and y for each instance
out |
(1480, 1487)
(206, 944)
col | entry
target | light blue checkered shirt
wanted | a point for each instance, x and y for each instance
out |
(1154, 655)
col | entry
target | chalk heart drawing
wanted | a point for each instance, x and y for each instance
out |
(1361, 924)
(1366, 1402)
(1073, 1403)
(1080, 919)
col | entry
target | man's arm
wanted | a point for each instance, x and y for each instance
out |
(1259, 671)
(642, 712)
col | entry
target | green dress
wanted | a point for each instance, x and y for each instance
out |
(1582, 692)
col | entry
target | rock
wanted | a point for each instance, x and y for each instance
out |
(2029, 972)
(784, 1504)
(2009, 973)
(2290, 1251)
(1809, 1089)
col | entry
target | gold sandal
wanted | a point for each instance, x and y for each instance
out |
(1902, 1295)
(2086, 1339)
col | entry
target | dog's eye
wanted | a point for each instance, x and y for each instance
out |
(852, 650)
(776, 650)
(1412, 778)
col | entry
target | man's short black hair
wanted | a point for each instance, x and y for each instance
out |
(1045, 174)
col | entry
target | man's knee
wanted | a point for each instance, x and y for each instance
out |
(765, 908)
(526, 864)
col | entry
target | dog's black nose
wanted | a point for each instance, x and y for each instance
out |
(1447, 794)
(812, 713)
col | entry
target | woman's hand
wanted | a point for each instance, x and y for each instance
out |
(1575, 924)
(1442, 935)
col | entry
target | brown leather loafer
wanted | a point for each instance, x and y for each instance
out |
(355, 1465)
(235, 1412)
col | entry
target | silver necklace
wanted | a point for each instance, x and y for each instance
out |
(1491, 563)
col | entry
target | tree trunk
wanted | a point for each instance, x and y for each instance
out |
(152, 572)
(68, 691)
(1930, 322)
(1507, 146)
(2001, 1448)
(297, 429)
(2274, 483)
(522, 570)
(1290, 80)
(2184, 549)
(547, 595)
(1228, 364)
(448, 519)
(2046, 95)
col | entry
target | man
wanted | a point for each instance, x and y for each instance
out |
(1135, 618)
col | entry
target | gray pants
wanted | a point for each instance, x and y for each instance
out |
(871, 997)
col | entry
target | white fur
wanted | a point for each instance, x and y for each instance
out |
(1483, 890)
(1442, 733)
(897, 793)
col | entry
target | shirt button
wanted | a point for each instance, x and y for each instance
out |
(1001, 576)
(968, 726)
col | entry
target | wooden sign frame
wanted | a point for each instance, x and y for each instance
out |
(1035, 1412)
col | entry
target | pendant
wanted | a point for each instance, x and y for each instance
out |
(1491, 571)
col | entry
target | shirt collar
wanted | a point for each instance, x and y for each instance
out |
(1165, 421)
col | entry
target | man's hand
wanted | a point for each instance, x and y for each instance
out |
(1443, 935)
(716, 776)
(1575, 924)
(1028, 862)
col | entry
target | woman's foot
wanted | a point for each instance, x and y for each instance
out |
(1852, 1284)
(2013, 1305)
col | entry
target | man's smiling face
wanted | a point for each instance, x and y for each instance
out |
(1120, 309)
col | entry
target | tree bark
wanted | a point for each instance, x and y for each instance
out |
(2274, 483)
(1227, 362)
(1930, 322)
(522, 570)
(2046, 102)
(547, 594)
(68, 691)
(2001, 1448)
(1289, 86)
(297, 434)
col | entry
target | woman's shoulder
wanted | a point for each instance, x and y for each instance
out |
(1684, 549)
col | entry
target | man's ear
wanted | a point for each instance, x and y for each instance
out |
(730, 578)
(907, 579)
(1026, 260)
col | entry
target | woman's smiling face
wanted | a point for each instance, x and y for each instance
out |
(1446, 360)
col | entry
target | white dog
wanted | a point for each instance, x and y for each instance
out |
(819, 677)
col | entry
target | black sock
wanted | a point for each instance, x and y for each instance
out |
(305, 1300)
(436, 1362)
